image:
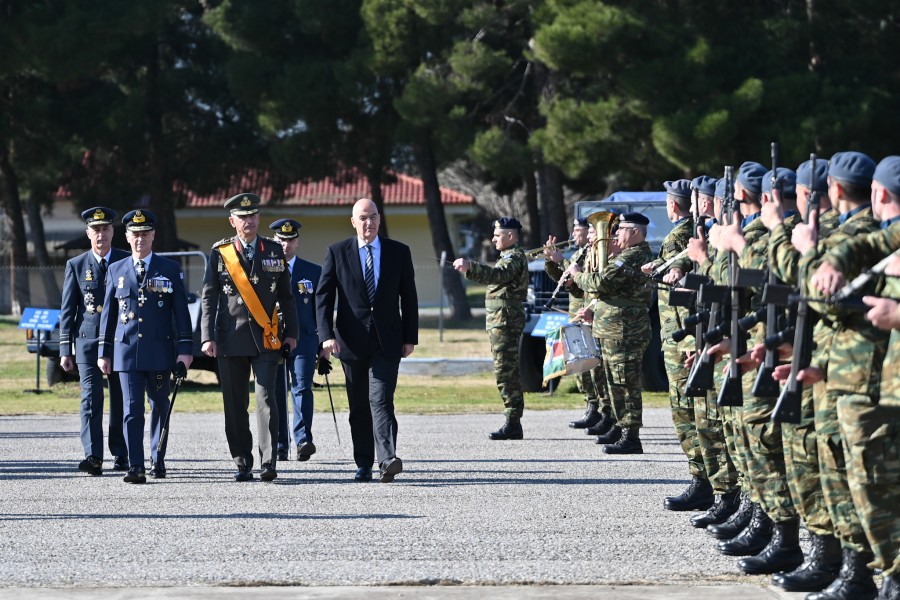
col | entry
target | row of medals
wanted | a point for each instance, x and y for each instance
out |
(161, 288)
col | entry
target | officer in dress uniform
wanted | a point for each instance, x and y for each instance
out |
(246, 282)
(304, 281)
(145, 295)
(84, 287)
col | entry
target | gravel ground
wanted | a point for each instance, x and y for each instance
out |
(551, 509)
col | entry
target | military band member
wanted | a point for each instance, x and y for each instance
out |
(507, 284)
(245, 278)
(302, 361)
(623, 329)
(84, 288)
(145, 296)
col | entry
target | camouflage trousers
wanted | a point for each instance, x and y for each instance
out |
(717, 462)
(834, 467)
(596, 381)
(764, 448)
(683, 413)
(801, 460)
(734, 441)
(623, 363)
(505, 351)
(872, 432)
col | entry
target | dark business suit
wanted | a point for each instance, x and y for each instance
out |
(303, 358)
(84, 288)
(143, 338)
(226, 320)
(371, 336)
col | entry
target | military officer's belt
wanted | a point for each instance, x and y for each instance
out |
(490, 303)
(623, 302)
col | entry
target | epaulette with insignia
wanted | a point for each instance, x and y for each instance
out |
(223, 242)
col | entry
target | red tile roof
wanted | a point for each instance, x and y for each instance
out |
(406, 191)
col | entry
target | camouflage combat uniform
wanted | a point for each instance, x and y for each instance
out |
(623, 328)
(507, 284)
(868, 416)
(850, 351)
(674, 354)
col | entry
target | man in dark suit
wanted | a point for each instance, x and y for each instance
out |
(245, 278)
(302, 362)
(145, 295)
(84, 287)
(373, 282)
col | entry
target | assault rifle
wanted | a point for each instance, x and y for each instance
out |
(732, 393)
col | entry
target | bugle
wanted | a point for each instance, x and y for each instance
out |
(534, 252)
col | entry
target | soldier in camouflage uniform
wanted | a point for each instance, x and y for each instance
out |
(507, 284)
(765, 459)
(855, 359)
(699, 494)
(555, 264)
(624, 328)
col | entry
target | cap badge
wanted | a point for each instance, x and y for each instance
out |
(138, 217)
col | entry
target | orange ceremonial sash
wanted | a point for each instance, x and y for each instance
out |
(269, 326)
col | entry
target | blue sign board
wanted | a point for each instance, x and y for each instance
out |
(548, 322)
(42, 319)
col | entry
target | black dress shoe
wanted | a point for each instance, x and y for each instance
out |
(697, 496)
(305, 450)
(268, 472)
(120, 463)
(390, 468)
(511, 430)
(244, 474)
(135, 475)
(282, 455)
(158, 470)
(591, 417)
(363, 474)
(91, 465)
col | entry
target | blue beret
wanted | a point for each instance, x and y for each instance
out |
(286, 229)
(887, 173)
(750, 175)
(720, 189)
(139, 220)
(819, 182)
(99, 215)
(507, 223)
(679, 187)
(243, 204)
(705, 184)
(852, 167)
(581, 222)
(634, 218)
(787, 179)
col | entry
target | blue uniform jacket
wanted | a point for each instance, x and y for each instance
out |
(82, 305)
(141, 336)
(308, 341)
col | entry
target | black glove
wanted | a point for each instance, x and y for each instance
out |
(180, 371)
(323, 366)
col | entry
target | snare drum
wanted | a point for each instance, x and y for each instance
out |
(571, 349)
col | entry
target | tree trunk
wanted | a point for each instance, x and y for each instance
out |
(551, 193)
(12, 204)
(378, 198)
(440, 237)
(39, 242)
(535, 235)
(161, 196)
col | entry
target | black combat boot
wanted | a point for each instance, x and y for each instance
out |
(697, 496)
(591, 417)
(610, 437)
(723, 507)
(753, 539)
(818, 570)
(511, 430)
(736, 523)
(854, 581)
(782, 554)
(628, 443)
(890, 589)
(602, 426)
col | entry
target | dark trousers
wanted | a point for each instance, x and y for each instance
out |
(371, 381)
(92, 412)
(135, 384)
(301, 373)
(234, 375)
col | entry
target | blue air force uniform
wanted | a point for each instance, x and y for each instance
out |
(304, 282)
(84, 288)
(136, 331)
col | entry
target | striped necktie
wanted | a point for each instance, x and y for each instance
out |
(370, 274)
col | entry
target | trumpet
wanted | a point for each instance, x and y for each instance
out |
(536, 251)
